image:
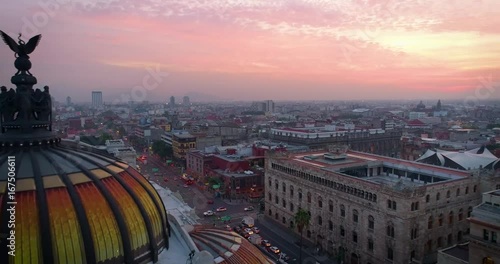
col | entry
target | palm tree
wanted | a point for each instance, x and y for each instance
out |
(302, 219)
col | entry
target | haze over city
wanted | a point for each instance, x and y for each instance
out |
(255, 50)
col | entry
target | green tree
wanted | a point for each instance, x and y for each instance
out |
(104, 137)
(160, 148)
(302, 219)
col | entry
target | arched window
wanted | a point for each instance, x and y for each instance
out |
(460, 214)
(469, 211)
(320, 220)
(354, 237)
(371, 222)
(427, 198)
(270, 182)
(458, 192)
(467, 190)
(283, 202)
(438, 196)
(390, 229)
(291, 207)
(342, 231)
(448, 194)
(320, 202)
(330, 205)
(270, 212)
(308, 197)
(342, 210)
(276, 216)
(276, 199)
(283, 186)
(475, 188)
(355, 216)
(450, 218)
(429, 222)
(291, 191)
(330, 225)
(300, 195)
(270, 196)
(283, 220)
(440, 219)
(390, 253)
(276, 184)
(370, 244)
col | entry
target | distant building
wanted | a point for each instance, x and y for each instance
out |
(96, 99)
(185, 101)
(172, 101)
(68, 101)
(478, 158)
(416, 115)
(269, 106)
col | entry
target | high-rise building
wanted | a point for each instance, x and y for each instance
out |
(185, 100)
(172, 101)
(269, 106)
(68, 101)
(96, 99)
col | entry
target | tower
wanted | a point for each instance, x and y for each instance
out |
(96, 99)
(172, 101)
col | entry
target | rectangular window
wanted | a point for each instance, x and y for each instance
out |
(486, 234)
(493, 237)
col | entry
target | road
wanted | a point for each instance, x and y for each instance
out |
(191, 194)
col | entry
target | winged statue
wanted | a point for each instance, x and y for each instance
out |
(21, 48)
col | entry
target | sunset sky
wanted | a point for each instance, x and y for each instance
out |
(260, 49)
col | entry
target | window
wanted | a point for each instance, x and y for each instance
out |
(276, 216)
(458, 192)
(459, 236)
(428, 246)
(309, 197)
(493, 236)
(440, 242)
(394, 205)
(283, 202)
(438, 195)
(320, 202)
(475, 188)
(276, 184)
(450, 239)
(486, 234)
(320, 220)
(427, 198)
(448, 194)
(300, 195)
(371, 222)
(390, 230)
(460, 214)
(291, 191)
(276, 199)
(270, 212)
(342, 231)
(342, 210)
(270, 196)
(354, 237)
(440, 219)
(309, 233)
(429, 222)
(467, 190)
(497, 187)
(389, 253)
(283, 186)
(370, 244)
(355, 216)
(414, 233)
(330, 225)
(469, 211)
(414, 206)
(330, 205)
(270, 183)
(391, 204)
(412, 255)
(291, 207)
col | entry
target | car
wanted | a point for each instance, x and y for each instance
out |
(210, 202)
(265, 243)
(237, 229)
(245, 234)
(256, 230)
(250, 208)
(273, 249)
(221, 209)
(248, 230)
(284, 256)
(208, 213)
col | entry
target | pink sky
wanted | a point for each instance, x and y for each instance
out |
(261, 49)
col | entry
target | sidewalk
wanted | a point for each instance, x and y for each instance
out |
(286, 234)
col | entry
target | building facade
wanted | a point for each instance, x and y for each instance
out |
(182, 142)
(371, 209)
(96, 99)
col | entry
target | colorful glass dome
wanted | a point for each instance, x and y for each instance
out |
(64, 204)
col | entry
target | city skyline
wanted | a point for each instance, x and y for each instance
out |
(256, 50)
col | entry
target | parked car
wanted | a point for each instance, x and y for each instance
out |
(248, 230)
(221, 209)
(256, 230)
(208, 213)
(250, 208)
(284, 256)
(273, 249)
(237, 229)
(265, 243)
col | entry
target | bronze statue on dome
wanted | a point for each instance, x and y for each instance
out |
(21, 50)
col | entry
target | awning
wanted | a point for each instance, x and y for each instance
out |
(215, 186)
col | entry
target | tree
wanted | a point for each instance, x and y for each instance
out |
(105, 136)
(161, 149)
(302, 219)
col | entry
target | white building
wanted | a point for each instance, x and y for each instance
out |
(96, 99)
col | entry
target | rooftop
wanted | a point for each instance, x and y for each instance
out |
(460, 251)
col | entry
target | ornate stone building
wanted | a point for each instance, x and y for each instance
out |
(371, 209)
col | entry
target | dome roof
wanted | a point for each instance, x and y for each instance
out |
(76, 206)
(65, 204)
(227, 247)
